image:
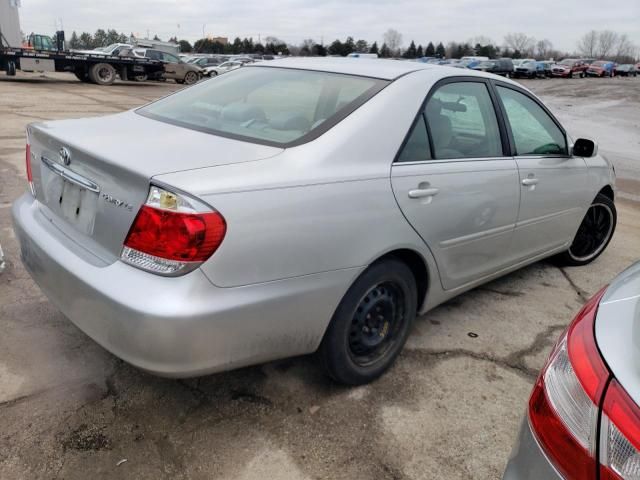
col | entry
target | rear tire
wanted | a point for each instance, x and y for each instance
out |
(102, 74)
(11, 69)
(371, 324)
(593, 235)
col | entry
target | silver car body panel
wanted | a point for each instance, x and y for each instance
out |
(303, 223)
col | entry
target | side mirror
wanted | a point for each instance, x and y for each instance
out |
(585, 147)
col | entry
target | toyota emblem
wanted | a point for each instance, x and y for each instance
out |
(65, 155)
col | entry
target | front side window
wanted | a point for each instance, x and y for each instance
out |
(534, 131)
(268, 105)
(462, 122)
(170, 58)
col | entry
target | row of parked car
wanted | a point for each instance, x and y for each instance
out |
(182, 68)
(531, 68)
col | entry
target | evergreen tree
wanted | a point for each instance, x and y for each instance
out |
(362, 46)
(411, 51)
(100, 38)
(319, 50)
(419, 52)
(85, 41)
(336, 48)
(430, 50)
(74, 41)
(374, 48)
(385, 52)
(156, 38)
(237, 45)
(440, 52)
(349, 46)
(185, 46)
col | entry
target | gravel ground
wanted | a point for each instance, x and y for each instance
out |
(450, 408)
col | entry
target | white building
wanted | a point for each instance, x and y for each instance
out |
(10, 23)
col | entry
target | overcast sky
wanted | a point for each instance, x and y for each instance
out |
(561, 21)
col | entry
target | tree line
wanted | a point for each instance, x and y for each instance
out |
(594, 44)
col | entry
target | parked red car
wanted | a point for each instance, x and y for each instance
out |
(601, 68)
(569, 67)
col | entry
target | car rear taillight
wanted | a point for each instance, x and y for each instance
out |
(28, 166)
(619, 435)
(564, 405)
(173, 234)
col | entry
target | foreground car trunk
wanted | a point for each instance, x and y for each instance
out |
(91, 185)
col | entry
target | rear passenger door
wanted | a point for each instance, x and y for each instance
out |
(456, 184)
(553, 184)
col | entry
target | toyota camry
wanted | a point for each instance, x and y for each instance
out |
(307, 205)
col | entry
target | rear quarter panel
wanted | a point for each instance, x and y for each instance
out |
(325, 205)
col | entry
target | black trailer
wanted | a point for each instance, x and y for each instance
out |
(96, 68)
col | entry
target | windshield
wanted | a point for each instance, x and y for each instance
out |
(567, 62)
(599, 64)
(487, 64)
(267, 105)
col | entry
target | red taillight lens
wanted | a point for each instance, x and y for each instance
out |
(29, 172)
(184, 237)
(173, 234)
(563, 409)
(619, 435)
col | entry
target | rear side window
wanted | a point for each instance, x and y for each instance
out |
(462, 122)
(416, 149)
(267, 105)
(534, 131)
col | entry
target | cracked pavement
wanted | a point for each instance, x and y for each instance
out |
(450, 407)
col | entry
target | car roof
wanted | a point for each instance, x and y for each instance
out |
(367, 67)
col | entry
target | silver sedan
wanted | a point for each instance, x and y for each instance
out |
(583, 420)
(307, 205)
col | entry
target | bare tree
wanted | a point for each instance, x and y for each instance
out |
(305, 47)
(544, 48)
(521, 42)
(625, 49)
(607, 41)
(588, 44)
(480, 39)
(393, 39)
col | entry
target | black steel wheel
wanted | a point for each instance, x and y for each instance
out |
(594, 234)
(102, 74)
(371, 324)
(376, 322)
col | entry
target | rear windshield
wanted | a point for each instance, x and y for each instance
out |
(273, 106)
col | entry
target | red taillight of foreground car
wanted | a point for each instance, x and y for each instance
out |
(619, 435)
(564, 405)
(171, 234)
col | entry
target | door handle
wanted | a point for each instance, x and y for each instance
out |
(423, 192)
(529, 181)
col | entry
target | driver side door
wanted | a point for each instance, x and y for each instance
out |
(553, 184)
(173, 67)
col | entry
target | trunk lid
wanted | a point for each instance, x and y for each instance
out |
(92, 175)
(617, 329)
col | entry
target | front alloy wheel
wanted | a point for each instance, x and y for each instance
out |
(594, 234)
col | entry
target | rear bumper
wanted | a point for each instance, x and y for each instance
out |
(177, 327)
(528, 461)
